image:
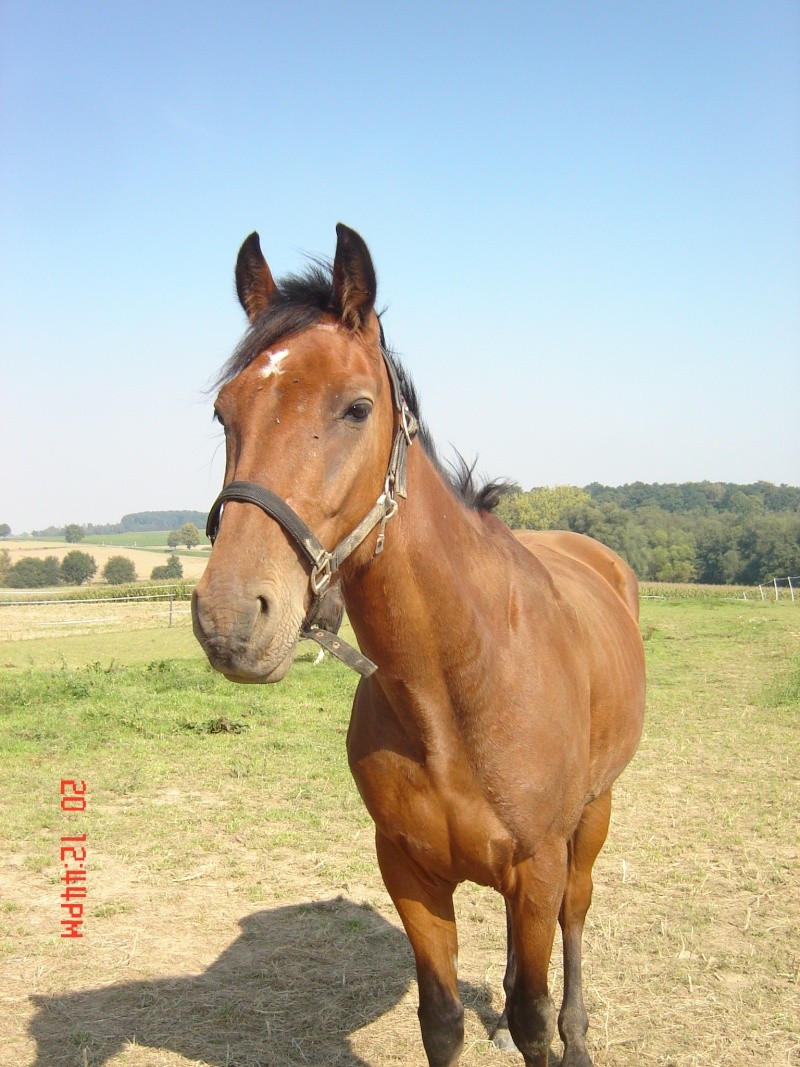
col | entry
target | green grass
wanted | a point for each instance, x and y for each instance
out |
(105, 650)
(144, 539)
(137, 730)
(211, 804)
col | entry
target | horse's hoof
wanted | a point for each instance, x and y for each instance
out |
(501, 1039)
(576, 1058)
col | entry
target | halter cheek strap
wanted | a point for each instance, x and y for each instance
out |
(323, 563)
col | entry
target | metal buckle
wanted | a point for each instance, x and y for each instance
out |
(321, 575)
(407, 421)
(390, 512)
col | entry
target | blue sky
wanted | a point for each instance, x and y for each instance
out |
(585, 219)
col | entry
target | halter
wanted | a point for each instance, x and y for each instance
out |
(324, 564)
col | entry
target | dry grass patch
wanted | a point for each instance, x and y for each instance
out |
(30, 621)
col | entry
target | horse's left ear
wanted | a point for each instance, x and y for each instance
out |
(353, 277)
(254, 282)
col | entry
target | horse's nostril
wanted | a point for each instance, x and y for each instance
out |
(263, 605)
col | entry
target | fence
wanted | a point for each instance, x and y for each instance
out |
(777, 584)
(29, 617)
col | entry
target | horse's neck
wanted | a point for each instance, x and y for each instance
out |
(426, 598)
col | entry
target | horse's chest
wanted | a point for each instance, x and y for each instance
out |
(441, 820)
(464, 804)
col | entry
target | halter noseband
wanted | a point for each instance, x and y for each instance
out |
(323, 563)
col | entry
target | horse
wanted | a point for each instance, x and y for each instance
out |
(510, 682)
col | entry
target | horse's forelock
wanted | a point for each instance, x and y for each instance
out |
(300, 302)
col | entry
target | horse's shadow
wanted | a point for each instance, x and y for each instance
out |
(292, 989)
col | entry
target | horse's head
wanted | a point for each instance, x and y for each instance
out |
(308, 404)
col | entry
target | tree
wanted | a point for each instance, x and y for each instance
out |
(171, 569)
(73, 533)
(540, 509)
(189, 535)
(5, 529)
(5, 564)
(769, 546)
(77, 568)
(119, 570)
(174, 538)
(32, 572)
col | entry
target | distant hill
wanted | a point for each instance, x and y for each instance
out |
(161, 520)
(137, 522)
(705, 498)
(144, 521)
(713, 532)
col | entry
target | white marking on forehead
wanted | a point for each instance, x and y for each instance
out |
(331, 327)
(274, 360)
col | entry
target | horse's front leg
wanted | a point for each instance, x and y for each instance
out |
(501, 1035)
(586, 843)
(533, 904)
(425, 906)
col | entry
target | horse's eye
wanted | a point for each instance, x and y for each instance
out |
(359, 411)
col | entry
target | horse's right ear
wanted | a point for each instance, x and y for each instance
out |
(254, 282)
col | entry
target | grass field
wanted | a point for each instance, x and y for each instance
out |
(142, 539)
(234, 914)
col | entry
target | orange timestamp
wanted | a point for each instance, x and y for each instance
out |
(73, 856)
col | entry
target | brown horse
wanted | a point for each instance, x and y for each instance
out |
(509, 692)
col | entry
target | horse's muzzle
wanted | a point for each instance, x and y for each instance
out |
(243, 637)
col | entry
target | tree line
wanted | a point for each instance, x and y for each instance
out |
(35, 572)
(710, 532)
(135, 522)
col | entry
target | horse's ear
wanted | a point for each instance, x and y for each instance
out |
(353, 277)
(254, 282)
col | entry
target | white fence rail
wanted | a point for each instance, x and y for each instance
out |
(25, 618)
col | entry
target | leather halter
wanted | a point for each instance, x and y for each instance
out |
(323, 563)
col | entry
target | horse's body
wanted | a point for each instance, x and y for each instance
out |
(510, 688)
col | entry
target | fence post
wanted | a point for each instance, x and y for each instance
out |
(791, 588)
(170, 607)
(775, 583)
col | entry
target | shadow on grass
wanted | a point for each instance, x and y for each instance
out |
(291, 990)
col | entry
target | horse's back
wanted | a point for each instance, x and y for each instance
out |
(611, 567)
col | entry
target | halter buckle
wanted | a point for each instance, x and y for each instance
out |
(390, 512)
(408, 423)
(321, 574)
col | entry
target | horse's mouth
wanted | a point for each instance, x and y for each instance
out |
(247, 677)
(242, 663)
(245, 640)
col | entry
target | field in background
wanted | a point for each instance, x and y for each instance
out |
(144, 539)
(232, 891)
(150, 553)
(103, 620)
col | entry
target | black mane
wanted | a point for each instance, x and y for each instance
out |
(301, 301)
